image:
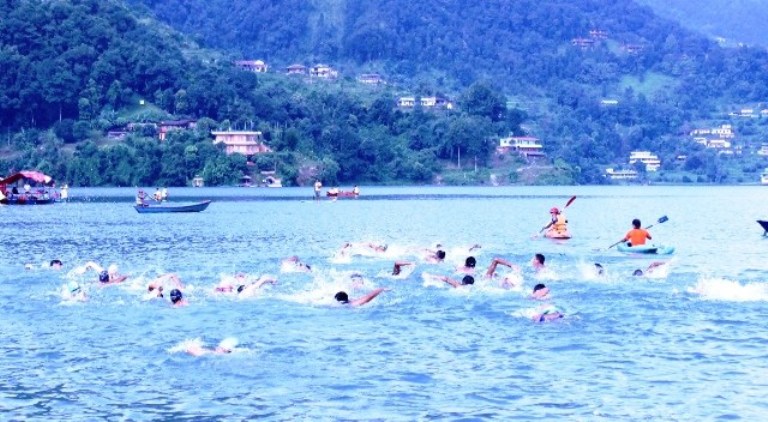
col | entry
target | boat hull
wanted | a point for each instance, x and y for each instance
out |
(764, 225)
(27, 201)
(154, 209)
(646, 249)
(558, 235)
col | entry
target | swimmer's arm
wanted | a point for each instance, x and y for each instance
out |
(450, 281)
(367, 298)
(265, 280)
(118, 279)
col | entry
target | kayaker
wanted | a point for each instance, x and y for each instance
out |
(637, 235)
(558, 226)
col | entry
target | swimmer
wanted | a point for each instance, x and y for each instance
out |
(177, 299)
(538, 262)
(348, 247)
(56, 264)
(434, 257)
(599, 270)
(344, 299)
(108, 276)
(648, 271)
(155, 287)
(507, 282)
(398, 267)
(469, 266)
(540, 292)
(548, 313)
(293, 264)
(72, 291)
(468, 280)
(225, 347)
(251, 288)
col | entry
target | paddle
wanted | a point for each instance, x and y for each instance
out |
(567, 204)
(661, 220)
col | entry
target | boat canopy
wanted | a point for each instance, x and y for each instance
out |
(32, 175)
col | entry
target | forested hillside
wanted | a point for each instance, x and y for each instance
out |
(738, 21)
(72, 70)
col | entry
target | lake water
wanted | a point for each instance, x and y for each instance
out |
(688, 343)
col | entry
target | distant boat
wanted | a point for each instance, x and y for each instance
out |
(764, 177)
(12, 193)
(151, 209)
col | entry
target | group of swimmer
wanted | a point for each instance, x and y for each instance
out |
(242, 284)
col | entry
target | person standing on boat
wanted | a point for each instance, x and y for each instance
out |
(356, 190)
(158, 196)
(558, 225)
(318, 186)
(637, 235)
(141, 198)
(164, 194)
(64, 195)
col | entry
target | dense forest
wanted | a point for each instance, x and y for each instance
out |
(71, 70)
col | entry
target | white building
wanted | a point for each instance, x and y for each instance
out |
(651, 161)
(620, 174)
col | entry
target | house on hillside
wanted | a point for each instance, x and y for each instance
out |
(323, 71)
(620, 174)
(436, 102)
(245, 142)
(526, 146)
(257, 66)
(651, 161)
(598, 34)
(370, 79)
(406, 102)
(582, 43)
(296, 69)
(166, 126)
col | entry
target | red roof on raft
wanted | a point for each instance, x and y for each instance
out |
(35, 176)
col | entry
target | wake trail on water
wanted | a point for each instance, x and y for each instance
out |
(722, 289)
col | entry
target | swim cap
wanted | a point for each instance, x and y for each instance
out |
(554, 210)
(104, 276)
(468, 279)
(55, 262)
(638, 272)
(176, 295)
(240, 288)
(470, 262)
(342, 297)
(440, 254)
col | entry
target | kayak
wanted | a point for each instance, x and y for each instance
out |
(555, 234)
(646, 249)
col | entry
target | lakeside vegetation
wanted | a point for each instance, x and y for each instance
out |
(79, 68)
